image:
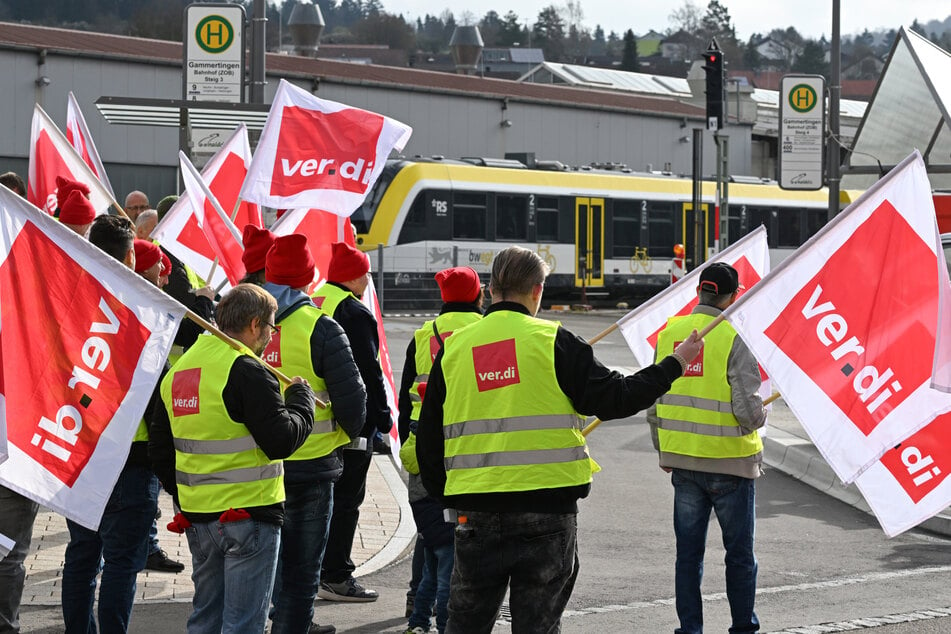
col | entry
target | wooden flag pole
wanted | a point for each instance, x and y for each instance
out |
(772, 397)
(591, 427)
(601, 335)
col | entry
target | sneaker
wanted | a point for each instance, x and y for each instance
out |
(349, 590)
(321, 629)
(417, 630)
(160, 562)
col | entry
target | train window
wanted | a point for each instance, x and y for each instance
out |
(660, 229)
(788, 230)
(468, 216)
(427, 218)
(511, 217)
(626, 228)
(760, 216)
(546, 213)
(417, 212)
(815, 220)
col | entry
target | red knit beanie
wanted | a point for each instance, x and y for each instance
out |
(256, 242)
(346, 263)
(459, 284)
(166, 264)
(64, 186)
(147, 254)
(76, 209)
(289, 262)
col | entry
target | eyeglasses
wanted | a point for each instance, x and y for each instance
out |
(273, 328)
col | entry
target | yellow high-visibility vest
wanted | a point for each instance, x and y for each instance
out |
(218, 465)
(295, 359)
(427, 345)
(507, 425)
(696, 415)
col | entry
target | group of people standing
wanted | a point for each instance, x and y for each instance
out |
(268, 478)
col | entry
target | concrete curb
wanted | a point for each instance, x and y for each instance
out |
(406, 531)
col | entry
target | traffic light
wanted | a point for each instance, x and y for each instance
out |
(713, 65)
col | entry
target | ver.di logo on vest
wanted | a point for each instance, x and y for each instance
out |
(185, 392)
(495, 365)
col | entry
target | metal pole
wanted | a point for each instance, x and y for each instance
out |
(379, 275)
(835, 89)
(697, 194)
(258, 24)
(723, 181)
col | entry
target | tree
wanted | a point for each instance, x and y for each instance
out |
(629, 55)
(812, 60)
(491, 28)
(548, 33)
(716, 23)
(511, 32)
(383, 28)
(687, 18)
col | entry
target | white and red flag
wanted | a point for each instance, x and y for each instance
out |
(322, 229)
(222, 235)
(319, 153)
(77, 133)
(640, 327)
(52, 155)
(846, 326)
(179, 231)
(73, 385)
(910, 482)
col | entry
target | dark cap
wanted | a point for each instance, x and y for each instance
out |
(720, 279)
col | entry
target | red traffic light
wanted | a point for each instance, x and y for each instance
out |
(712, 58)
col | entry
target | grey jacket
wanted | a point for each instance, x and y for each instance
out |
(742, 373)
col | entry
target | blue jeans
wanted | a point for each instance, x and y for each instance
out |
(733, 499)
(233, 567)
(307, 513)
(17, 514)
(433, 588)
(534, 554)
(122, 541)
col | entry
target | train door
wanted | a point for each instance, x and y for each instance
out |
(689, 232)
(589, 242)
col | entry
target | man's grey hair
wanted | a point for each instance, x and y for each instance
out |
(516, 270)
(145, 217)
(712, 299)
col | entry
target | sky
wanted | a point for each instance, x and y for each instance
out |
(812, 18)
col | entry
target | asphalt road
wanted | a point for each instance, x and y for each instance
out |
(824, 566)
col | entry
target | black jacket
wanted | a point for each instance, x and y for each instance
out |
(181, 290)
(592, 388)
(252, 396)
(360, 325)
(333, 361)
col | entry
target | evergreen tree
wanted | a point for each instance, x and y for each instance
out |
(629, 55)
(548, 33)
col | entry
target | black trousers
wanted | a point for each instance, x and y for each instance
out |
(349, 492)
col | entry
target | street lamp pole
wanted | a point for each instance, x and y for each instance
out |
(835, 89)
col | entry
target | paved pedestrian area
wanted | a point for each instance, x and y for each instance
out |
(384, 530)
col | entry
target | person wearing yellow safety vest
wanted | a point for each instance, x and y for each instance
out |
(347, 279)
(461, 292)
(217, 444)
(121, 542)
(705, 430)
(313, 345)
(499, 441)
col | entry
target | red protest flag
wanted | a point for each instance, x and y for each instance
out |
(846, 333)
(222, 235)
(179, 231)
(77, 133)
(52, 155)
(75, 384)
(319, 153)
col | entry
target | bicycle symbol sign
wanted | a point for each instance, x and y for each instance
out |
(802, 98)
